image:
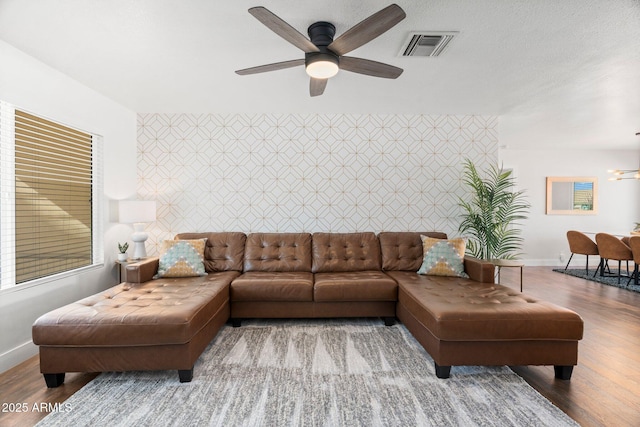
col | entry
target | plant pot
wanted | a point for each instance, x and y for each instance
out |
(122, 257)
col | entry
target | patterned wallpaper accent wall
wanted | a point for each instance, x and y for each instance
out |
(318, 172)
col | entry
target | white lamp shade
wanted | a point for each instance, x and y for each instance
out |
(134, 211)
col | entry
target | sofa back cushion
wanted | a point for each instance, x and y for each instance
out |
(340, 252)
(402, 250)
(278, 252)
(224, 251)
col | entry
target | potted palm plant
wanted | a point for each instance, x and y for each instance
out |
(491, 216)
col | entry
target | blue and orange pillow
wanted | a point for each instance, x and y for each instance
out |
(443, 257)
(182, 258)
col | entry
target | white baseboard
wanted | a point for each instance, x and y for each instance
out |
(545, 263)
(17, 355)
(578, 261)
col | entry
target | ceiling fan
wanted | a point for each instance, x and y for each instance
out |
(324, 56)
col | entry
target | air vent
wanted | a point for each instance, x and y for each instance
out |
(427, 43)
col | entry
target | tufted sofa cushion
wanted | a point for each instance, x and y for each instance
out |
(224, 251)
(354, 286)
(157, 312)
(273, 286)
(343, 252)
(279, 252)
(402, 250)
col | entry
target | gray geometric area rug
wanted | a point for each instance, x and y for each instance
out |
(605, 280)
(329, 372)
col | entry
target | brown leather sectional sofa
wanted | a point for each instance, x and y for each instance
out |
(146, 324)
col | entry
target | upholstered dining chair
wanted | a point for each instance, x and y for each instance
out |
(610, 247)
(634, 244)
(581, 244)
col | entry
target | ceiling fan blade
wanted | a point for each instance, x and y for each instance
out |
(316, 86)
(284, 30)
(271, 67)
(368, 29)
(370, 68)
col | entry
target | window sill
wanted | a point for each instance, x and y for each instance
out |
(52, 278)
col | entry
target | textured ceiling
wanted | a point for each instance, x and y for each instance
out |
(571, 67)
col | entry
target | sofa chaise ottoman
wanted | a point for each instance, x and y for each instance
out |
(462, 321)
(143, 324)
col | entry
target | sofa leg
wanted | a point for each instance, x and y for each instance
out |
(442, 371)
(186, 375)
(563, 372)
(54, 380)
(389, 321)
(236, 323)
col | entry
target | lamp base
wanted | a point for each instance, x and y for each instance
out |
(139, 236)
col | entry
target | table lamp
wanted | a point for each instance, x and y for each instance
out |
(138, 213)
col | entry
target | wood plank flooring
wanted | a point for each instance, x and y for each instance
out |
(604, 389)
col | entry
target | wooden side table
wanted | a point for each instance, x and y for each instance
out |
(121, 265)
(509, 263)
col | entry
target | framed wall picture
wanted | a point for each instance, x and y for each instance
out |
(572, 195)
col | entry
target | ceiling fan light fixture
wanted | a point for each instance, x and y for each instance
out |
(321, 65)
(620, 174)
(324, 56)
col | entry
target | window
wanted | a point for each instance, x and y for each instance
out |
(51, 188)
(572, 195)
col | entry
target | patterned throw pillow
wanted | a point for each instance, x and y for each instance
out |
(443, 257)
(182, 258)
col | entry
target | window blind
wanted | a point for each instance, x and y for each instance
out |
(53, 195)
(52, 198)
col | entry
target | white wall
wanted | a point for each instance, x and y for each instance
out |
(618, 201)
(37, 88)
(311, 172)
